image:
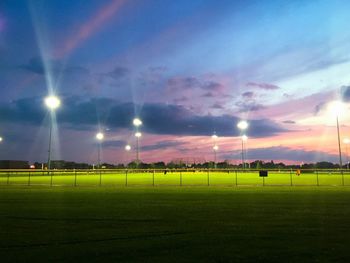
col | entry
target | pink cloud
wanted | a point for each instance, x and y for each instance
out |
(90, 27)
(265, 86)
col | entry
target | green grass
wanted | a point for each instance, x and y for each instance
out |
(174, 224)
(198, 178)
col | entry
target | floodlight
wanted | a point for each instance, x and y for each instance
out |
(52, 102)
(138, 134)
(137, 122)
(244, 138)
(346, 140)
(215, 147)
(0, 139)
(99, 136)
(336, 108)
(214, 136)
(128, 147)
(242, 125)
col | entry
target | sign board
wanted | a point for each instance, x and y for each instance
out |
(263, 173)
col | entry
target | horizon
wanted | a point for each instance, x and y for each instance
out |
(187, 69)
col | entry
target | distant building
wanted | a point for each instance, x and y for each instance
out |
(61, 164)
(58, 164)
(13, 164)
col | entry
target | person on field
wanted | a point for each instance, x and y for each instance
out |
(298, 172)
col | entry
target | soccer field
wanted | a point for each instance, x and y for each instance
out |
(174, 178)
(174, 224)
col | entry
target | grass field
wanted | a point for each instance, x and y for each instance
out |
(198, 178)
(174, 224)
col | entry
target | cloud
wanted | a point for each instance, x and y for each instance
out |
(249, 106)
(289, 122)
(114, 144)
(118, 73)
(212, 86)
(36, 65)
(182, 99)
(183, 82)
(319, 107)
(345, 91)
(286, 153)
(162, 145)
(208, 95)
(264, 86)
(194, 83)
(248, 94)
(158, 118)
(217, 105)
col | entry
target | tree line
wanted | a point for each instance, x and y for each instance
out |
(258, 164)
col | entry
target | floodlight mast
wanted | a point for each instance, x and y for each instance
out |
(337, 108)
(99, 137)
(138, 136)
(243, 125)
(215, 147)
(347, 142)
(52, 103)
(137, 122)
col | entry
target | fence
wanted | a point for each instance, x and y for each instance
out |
(174, 177)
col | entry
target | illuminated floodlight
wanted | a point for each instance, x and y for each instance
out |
(214, 136)
(244, 138)
(137, 122)
(100, 136)
(52, 102)
(215, 147)
(127, 147)
(138, 134)
(242, 125)
(337, 108)
(0, 139)
(346, 140)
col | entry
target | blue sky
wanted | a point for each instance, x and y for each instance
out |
(188, 68)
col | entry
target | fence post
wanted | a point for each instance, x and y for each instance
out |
(318, 184)
(291, 177)
(342, 177)
(28, 178)
(208, 177)
(180, 178)
(153, 178)
(100, 178)
(126, 177)
(236, 178)
(75, 177)
(51, 178)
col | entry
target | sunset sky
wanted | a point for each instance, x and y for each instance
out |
(188, 69)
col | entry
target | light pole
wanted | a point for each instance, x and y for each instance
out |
(337, 107)
(244, 149)
(242, 125)
(52, 103)
(346, 141)
(127, 148)
(215, 148)
(99, 137)
(137, 123)
(138, 136)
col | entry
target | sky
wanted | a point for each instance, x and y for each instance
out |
(188, 69)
